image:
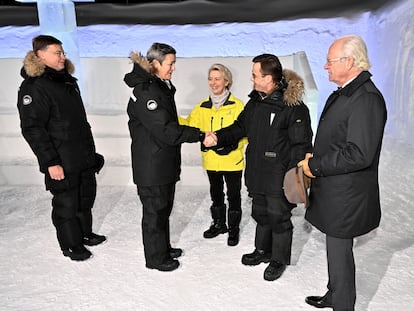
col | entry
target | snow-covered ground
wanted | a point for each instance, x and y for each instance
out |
(35, 276)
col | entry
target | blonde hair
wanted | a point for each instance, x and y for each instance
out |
(225, 71)
(356, 48)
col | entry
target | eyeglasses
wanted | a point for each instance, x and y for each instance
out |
(330, 61)
(59, 53)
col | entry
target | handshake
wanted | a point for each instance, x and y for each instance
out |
(210, 139)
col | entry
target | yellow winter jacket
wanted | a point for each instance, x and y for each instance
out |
(207, 118)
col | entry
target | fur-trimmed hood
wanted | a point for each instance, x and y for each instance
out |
(295, 90)
(34, 67)
(138, 58)
(142, 71)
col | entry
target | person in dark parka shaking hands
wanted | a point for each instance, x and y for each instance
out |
(156, 149)
(277, 124)
(344, 195)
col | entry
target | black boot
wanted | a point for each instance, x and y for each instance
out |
(175, 252)
(93, 239)
(257, 257)
(274, 271)
(234, 218)
(218, 225)
(77, 253)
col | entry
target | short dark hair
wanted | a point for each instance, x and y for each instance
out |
(41, 42)
(158, 51)
(270, 65)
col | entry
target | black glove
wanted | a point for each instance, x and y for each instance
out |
(99, 162)
(225, 149)
(201, 138)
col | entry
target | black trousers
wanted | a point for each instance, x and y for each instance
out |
(157, 203)
(72, 203)
(341, 271)
(233, 185)
(274, 229)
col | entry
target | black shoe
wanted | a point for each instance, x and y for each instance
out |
(255, 258)
(233, 238)
(94, 239)
(168, 265)
(274, 271)
(320, 301)
(176, 252)
(214, 230)
(77, 253)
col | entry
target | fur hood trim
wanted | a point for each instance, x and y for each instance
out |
(295, 90)
(35, 68)
(138, 58)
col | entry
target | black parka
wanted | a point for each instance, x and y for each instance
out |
(153, 126)
(344, 196)
(52, 117)
(278, 128)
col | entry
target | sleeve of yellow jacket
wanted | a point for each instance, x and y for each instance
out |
(207, 118)
(182, 120)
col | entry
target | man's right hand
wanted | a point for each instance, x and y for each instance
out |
(56, 172)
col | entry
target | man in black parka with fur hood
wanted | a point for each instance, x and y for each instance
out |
(278, 127)
(53, 122)
(156, 149)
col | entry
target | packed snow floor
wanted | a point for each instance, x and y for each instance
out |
(34, 275)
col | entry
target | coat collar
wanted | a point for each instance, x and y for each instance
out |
(208, 103)
(348, 90)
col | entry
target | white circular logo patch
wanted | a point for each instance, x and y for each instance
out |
(27, 100)
(152, 104)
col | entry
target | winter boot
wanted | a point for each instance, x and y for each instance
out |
(93, 239)
(234, 218)
(77, 253)
(218, 226)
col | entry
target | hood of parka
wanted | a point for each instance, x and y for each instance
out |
(34, 67)
(142, 71)
(294, 92)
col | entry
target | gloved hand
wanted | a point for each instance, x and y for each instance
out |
(225, 149)
(99, 162)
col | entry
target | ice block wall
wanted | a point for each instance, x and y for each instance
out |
(58, 18)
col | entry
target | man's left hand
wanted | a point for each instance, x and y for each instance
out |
(305, 164)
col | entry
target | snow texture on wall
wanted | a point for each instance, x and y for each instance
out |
(388, 33)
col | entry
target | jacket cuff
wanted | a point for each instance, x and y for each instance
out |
(201, 137)
(315, 166)
(44, 167)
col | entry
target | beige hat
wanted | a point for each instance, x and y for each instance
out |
(295, 187)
